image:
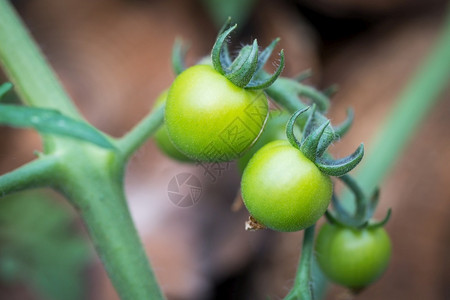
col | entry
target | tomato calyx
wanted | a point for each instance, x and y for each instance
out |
(365, 208)
(246, 70)
(317, 136)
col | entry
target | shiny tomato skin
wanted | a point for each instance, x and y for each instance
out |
(352, 257)
(208, 118)
(162, 137)
(284, 190)
(275, 129)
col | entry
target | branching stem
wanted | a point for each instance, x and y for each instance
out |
(37, 173)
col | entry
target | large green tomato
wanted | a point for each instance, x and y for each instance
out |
(162, 137)
(353, 257)
(208, 118)
(284, 190)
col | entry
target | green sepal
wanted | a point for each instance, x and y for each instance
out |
(262, 84)
(340, 210)
(265, 54)
(178, 56)
(344, 221)
(243, 68)
(331, 90)
(217, 49)
(224, 53)
(382, 222)
(310, 144)
(310, 123)
(333, 219)
(290, 128)
(225, 26)
(327, 139)
(372, 204)
(4, 88)
(225, 58)
(51, 121)
(303, 75)
(239, 61)
(341, 166)
(344, 127)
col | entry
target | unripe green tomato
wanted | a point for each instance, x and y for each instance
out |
(353, 257)
(284, 190)
(208, 118)
(275, 129)
(162, 137)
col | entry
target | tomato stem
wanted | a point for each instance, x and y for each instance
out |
(137, 136)
(303, 283)
(37, 173)
(26, 67)
(91, 177)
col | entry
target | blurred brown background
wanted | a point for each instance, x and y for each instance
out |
(114, 59)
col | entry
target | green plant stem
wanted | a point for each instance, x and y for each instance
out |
(92, 180)
(134, 139)
(37, 173)
(90, 177)
(302, 289)
(413, 104)
(26, 67)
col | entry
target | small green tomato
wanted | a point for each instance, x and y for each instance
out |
(284, 190)
(208, 118)
(162, 137)
(353, 257)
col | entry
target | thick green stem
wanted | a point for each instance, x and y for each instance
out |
(37, 173)
(26, 67)
(128, 144)
(303, 289)
(90, 177)
(94, 185)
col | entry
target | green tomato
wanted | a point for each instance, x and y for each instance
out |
(275, 129)
(353, 257)
(284, 190)
(162, 137)
(208, 118)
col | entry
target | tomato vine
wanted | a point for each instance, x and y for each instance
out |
(77, 167)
